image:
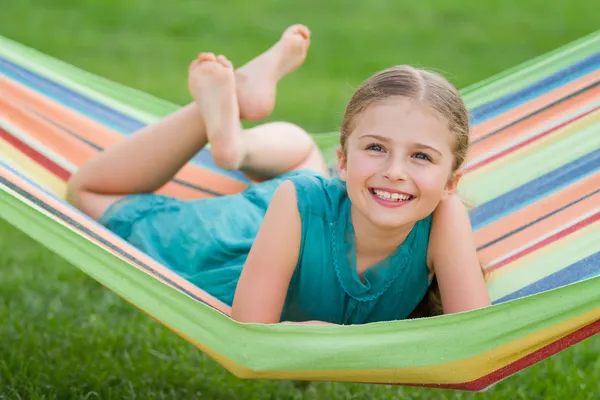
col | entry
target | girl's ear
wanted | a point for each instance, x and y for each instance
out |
(341, 164)
(452, 184)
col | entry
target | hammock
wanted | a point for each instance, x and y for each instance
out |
(533, 173)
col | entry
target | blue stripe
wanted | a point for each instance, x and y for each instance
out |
(518, 229)
(536, 112)
(592, 275)
(96, 111)
(554, 81)
(90, 108)
(532, 191)
(589, 266)
(5, 166)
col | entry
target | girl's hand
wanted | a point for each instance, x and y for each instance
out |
(453, 254)
(263, 284)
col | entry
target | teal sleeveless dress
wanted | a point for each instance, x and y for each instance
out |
(207, 241)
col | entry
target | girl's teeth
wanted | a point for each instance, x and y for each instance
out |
(391, 196)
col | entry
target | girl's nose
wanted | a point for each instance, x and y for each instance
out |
(395, 169)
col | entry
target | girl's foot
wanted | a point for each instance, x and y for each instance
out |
(257, 80)
(212, 84)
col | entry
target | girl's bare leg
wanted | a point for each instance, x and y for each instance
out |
(148, 159)
(256, 81)
(268, 150)
(141, 163)
(278, 147)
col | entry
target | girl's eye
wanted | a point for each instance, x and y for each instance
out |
(374, 147)
(422, 156)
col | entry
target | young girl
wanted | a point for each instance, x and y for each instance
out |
(302, 246)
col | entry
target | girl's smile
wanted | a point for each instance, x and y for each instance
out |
(390, 197)
(398, 163)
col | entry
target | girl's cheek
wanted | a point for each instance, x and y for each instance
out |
(361, 163)
(429, 180)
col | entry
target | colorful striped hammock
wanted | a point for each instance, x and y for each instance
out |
(533, 172)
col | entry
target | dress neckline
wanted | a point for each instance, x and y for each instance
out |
(378, 277)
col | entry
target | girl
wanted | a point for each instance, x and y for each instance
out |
(302, 246)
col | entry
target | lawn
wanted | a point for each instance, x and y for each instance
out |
(64, 336)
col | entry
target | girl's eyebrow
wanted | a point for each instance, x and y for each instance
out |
(424, 146)
(377, 137)
(385, 139)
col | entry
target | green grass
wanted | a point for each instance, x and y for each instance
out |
(64, 336)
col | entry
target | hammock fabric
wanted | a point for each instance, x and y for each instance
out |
(533, 173)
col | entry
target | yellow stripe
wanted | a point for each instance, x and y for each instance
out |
(32, 170)
(573, 247)
(447, 373)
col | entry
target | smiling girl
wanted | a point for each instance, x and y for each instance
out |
(367, 245)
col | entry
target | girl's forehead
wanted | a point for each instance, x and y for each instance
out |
(401, 118)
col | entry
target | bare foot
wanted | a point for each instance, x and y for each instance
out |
(211, 82)
(257, 80)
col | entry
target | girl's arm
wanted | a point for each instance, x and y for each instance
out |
(263, 284)
(453, 253)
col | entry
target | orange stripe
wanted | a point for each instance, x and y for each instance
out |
(45, 133)
(540, 229)
(87, 128)
(554, 237)
(115, 241)
(103, 137)
(554, 115)
(50, 137)
(536, 210)
(534, 105)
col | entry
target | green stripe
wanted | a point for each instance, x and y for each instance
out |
(287, 347)
(558, 256)
(513, 79)
(538, 161)
(134, 103)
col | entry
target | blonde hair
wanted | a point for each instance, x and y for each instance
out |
(417, 84)
(428, 88)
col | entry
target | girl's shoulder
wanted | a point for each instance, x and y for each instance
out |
(319, 195)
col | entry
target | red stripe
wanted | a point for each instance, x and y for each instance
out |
(64, 174)
(558, 235)
(525, 362)
(533, 358)
(36, 156)
(525, 143)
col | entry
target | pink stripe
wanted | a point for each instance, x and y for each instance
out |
(525, 143)
(558, 235)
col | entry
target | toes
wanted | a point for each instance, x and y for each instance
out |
(300, 30)
(206, 57)
(221, 59)
(202, 57)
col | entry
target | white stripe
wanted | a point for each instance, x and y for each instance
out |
(542, 238)
(36, 145)
(532, 133)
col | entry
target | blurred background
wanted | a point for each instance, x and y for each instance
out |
(64, 336)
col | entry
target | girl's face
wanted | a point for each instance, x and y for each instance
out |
(398, 164)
